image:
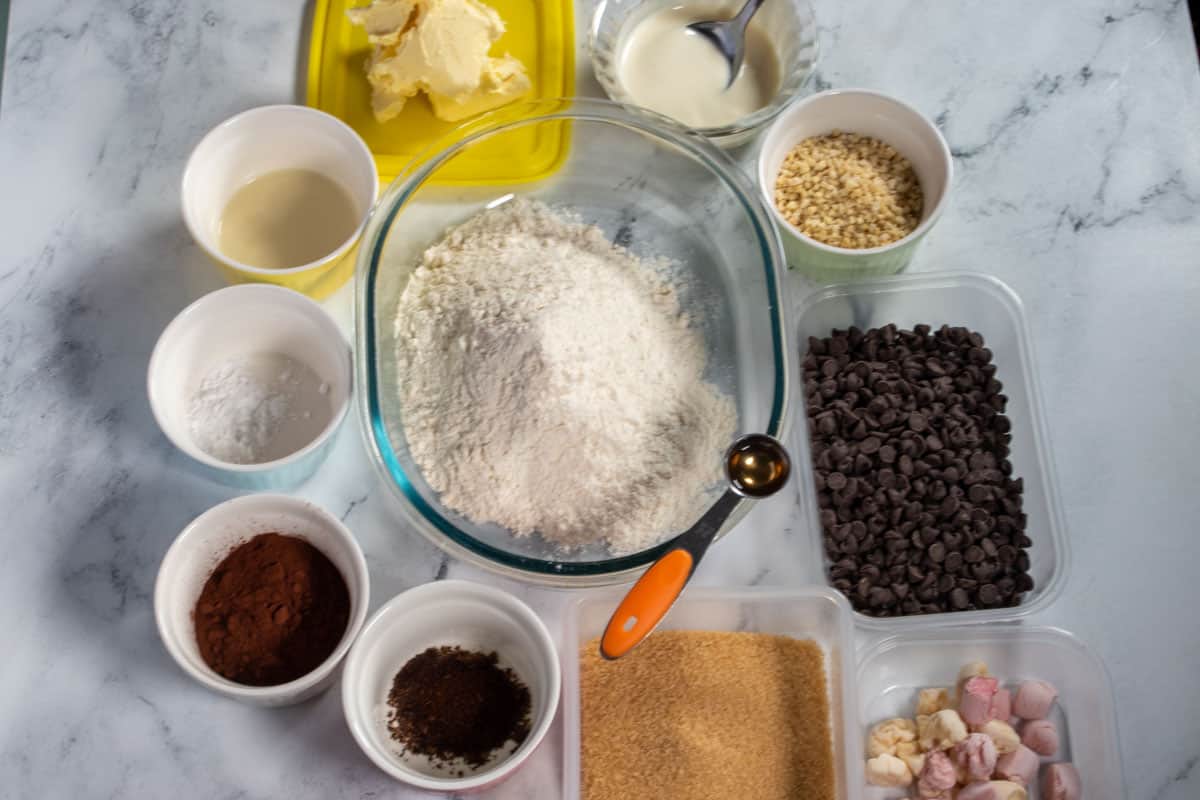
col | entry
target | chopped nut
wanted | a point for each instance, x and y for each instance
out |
(849, 190)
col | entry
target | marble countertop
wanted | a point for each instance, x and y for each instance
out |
(1073, 126)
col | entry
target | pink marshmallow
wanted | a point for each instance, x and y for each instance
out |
(1019, 766)
(1060, 782)
(1034, 699)
(976, 702)
(1001, 705)
(1040, 736)
(976, 756)
(937, 777)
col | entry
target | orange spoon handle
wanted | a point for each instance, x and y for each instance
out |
(647, 603)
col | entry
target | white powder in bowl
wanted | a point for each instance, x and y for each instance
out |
(550, 383)
(255, 408)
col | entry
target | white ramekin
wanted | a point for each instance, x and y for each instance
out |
(471, 616)
(268, 139)
(868, 113)
(207, 540)
(239, 321)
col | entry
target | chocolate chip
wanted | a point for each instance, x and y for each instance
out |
(914, 483)
(988, 594)
(979, 493)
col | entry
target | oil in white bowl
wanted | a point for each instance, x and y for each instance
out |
(287, 218)
(679, 73)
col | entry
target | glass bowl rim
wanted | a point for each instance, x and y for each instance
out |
(445, 534)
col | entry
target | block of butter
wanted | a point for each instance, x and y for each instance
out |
(439, 47)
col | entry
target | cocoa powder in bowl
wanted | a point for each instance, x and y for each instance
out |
(271, 612)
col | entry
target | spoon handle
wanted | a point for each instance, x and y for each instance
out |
(656, 591)
(743, 17)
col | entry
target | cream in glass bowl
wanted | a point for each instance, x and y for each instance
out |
(644, 56)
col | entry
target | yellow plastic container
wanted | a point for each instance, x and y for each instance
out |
(541, 33)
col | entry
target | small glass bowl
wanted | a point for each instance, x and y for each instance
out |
(649, 186)
(791, 25)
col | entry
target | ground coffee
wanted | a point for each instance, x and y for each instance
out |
(271, 611)
(448, 704)
(919, 507)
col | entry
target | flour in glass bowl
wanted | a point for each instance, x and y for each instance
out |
(550, 383)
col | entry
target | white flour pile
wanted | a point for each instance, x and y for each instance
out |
(549, 383)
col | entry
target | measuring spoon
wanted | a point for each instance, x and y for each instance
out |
(756, 466)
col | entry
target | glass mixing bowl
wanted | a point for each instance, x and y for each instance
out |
(650, 186)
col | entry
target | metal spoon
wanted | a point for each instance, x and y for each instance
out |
(756, 467)
(729, 36)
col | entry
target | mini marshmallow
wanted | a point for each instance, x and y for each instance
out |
(942, 730)
(974, 669)
(1040, 736)
(910, 753)
(931, 701)
(887, 770)
(938, 776)
(976, 756)
(976, 703)
(914, 760)
(1019, 766)
(1034, 699)
(1001, 705)
(1003, 735)
(992, 790)
(1061, 782)
(887, 735)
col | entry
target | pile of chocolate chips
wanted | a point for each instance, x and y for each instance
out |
(919, 510)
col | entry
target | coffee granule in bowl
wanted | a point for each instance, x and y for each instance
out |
(271, 612)
(920, 510)
(696, 715)
(451, 704)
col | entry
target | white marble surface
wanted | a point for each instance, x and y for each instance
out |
(1074, 129)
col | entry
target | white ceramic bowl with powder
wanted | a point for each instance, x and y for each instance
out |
(207, 540)
(469, 615)
(251, 382)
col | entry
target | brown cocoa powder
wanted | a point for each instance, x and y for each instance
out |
(271, 612)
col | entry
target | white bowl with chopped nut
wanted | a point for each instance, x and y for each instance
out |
(855, 180)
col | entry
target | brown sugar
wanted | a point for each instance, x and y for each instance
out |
(694, 715)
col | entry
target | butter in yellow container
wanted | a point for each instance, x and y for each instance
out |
(267, 184)
(538, 33)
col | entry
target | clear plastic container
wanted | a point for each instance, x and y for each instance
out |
(892, 671)
(813, 612)
(988, 306)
